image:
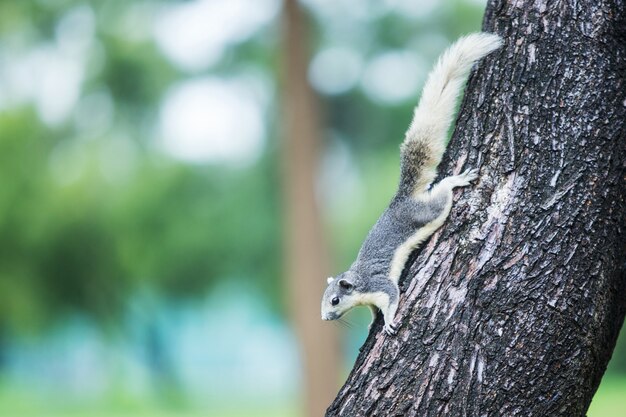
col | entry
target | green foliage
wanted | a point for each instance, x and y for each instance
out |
(83, 247)
(75, 238)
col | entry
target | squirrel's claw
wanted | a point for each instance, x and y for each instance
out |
(470, 174)
(391, 328)
(466, 178)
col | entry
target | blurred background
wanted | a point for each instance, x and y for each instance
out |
(177, 179)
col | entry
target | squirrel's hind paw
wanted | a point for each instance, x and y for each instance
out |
(464, 179)
(469, 175)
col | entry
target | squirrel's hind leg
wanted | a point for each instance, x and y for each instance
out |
(444, 187)
(433, 207)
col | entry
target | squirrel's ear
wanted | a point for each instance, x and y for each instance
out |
(329, 280)
(345, 284)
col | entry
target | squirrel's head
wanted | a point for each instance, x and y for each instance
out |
(339, 296)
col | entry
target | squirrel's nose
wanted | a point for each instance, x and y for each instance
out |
(330, 316)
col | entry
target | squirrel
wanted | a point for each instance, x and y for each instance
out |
(417, 210)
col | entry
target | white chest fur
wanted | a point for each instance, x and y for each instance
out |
(401, 254)
(379, 298)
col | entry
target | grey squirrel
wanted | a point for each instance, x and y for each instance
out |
(417, 210)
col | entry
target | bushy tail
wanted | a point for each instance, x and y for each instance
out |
(425, 140)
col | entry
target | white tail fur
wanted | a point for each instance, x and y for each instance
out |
(433, 115)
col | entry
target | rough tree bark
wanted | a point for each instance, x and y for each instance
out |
(514, 306)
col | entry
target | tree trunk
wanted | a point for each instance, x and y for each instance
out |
(305, 251)
(514, 306)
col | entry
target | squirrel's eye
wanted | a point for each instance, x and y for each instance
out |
(335, 301)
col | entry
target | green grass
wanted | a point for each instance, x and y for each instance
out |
(158, 413)
(18, 402)
(147, 411)
(609, 401)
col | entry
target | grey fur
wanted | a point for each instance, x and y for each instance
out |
(416, 211)
(370, 272)
(414, 158)
(397, 223)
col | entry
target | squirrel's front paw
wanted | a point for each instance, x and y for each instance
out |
(391, 328)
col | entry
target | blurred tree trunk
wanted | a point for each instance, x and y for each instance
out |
(513, 308)
(305, 250)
